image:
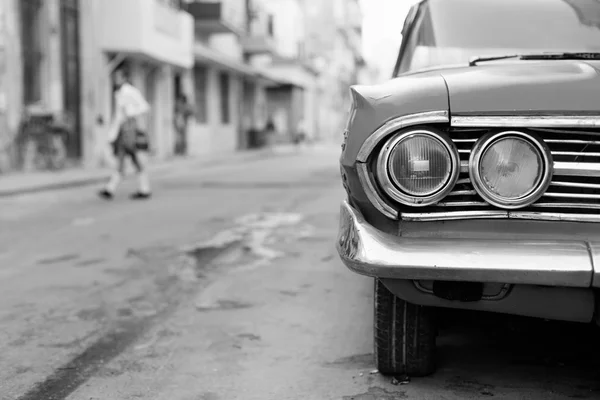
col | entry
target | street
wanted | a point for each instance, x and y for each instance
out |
(227, 285)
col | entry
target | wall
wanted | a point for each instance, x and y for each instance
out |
(11, 68)
(289, 25)
(96, 85)
(148, 27)
(214, 137)
(11, 90)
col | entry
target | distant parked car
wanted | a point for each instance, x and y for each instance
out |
(473, 176)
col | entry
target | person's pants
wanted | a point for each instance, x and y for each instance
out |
(138, 159)
(123, 154)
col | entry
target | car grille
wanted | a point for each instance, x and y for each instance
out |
(575, 187)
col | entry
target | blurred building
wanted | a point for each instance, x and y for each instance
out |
(228, 94)
(334, 42)
(240, 63)
(40, 65)
(59, 55)
(153, 39)
(293, 99)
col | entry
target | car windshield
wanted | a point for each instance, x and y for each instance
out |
(452, 32)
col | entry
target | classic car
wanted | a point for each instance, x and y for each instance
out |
(472, 177)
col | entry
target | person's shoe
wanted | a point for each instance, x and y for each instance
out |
(140, 196)
(105, 194)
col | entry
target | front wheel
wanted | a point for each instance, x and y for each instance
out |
(404, 335)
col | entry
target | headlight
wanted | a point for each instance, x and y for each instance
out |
(418, 167)
(510, 169)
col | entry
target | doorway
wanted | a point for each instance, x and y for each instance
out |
(151, 77)
(69, 15)
(180, 111)
(248, 135)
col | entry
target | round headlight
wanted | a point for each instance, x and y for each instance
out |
(418, 167)
(510, 169)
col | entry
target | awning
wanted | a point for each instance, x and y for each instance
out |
(207, 55)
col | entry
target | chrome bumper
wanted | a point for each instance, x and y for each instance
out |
(368, 251)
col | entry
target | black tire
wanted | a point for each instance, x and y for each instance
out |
(404, 335)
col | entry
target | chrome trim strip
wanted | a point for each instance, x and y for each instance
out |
(372, 194)
(564, 130)
(462, 193)
(488, 214)
(541, 121)
(464, 140)
(430, 117)
(463, 204)
(583, 206)
(453, 215)
(572, 141)
(534, 193)
(554, 153)
(368, 251)
(575, 185)
(504, 290)
(576, 153)
(385, 176)
(464, 168)
(576, 169)
(584, 196)
(545, 216)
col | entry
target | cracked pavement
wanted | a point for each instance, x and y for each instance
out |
(226, 285)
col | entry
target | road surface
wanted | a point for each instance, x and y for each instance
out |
(226, 285)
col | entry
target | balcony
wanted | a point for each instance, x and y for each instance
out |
(156, 30)
(217, 16)
(260, 38)
(258, 44)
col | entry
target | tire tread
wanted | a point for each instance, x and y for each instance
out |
(404, 335)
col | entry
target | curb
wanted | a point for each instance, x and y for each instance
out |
(95, 179)
(48, 187)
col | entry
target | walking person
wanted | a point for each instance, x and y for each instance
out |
(300, 135)
(183, 112)
(127, 140)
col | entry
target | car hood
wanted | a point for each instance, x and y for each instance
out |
(524, 87)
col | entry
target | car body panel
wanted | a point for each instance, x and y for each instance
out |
(552, 266)
(375, 105)
(550, 87)
(368, 251)
(557, 303)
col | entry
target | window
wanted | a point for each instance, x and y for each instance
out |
(71, 71)
(225, 95)
(200, 88)
(31, 25)
(271, 26)
(445, 34)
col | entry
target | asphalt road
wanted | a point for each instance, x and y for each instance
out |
(226, 285)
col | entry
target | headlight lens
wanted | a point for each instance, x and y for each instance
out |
(510, 169)
(420, 165)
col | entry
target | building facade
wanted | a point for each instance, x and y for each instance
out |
(241, 64)
(153, 39)
(59, 56)
(40, 67)
(294, 99)
(229, 95)
(334, 43)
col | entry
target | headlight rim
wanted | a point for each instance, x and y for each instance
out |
(484, 143)
(386, 183)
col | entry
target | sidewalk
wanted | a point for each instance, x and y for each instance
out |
(19, 183)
